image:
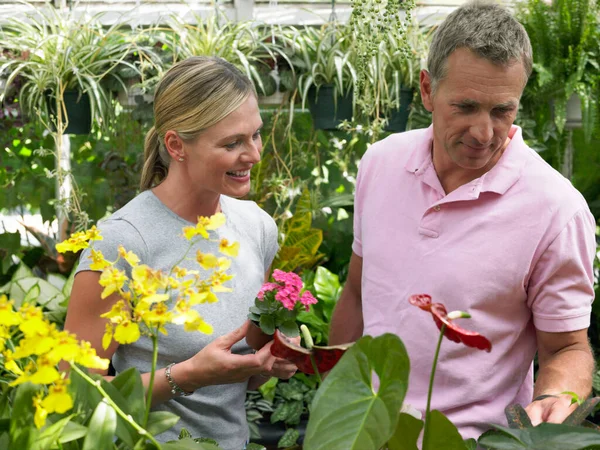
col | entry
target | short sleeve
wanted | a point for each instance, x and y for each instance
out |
(115, 232)
(270, 243)
(358, 202)
(560, 290)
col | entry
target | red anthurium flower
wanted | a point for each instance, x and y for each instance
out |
(453, 332)
(325, 357)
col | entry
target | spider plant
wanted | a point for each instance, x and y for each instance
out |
(59, 52)
(52, 53)
(321, 56)
(243, 44)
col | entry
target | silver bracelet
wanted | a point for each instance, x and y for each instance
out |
(175, 388)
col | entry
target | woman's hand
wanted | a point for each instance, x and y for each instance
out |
(215, 364)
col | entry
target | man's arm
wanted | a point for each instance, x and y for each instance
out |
(566, 363)
(347, 320)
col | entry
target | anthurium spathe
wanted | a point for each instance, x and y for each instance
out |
(452, 331)
(325, 357)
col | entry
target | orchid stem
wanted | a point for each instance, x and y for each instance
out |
(151, 383)
(431, 378)
(126, 417)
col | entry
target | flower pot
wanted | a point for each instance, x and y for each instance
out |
(328, 108)
(79, 111)
(398, 118)
(574, 114)
(256, 338)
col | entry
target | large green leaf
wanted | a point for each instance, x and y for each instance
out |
(45, 293)
(188, 444)
(159, 421)
(327, 285)
(102, 428)
(407, 433)
(347, 413)
(50, 435)
(71, 432)
(130, 386)
(546, 436)
(22, 430)
(442, 433)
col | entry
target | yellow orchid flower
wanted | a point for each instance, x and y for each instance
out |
(9, 362)
(79, 241)
(206, 260)
(217, 279)
(4, 335)
(45, 373)
(58, 399)
(204, 225)
(88, 358)
(229, 249)
(107, 337)
(159, 315)
(118, 313)
(127, 332)
(93, 234)
(8, 316)
(33, 322)
(198, 325)
(129, 256)
(213, 222)
(39, 418)
(98, 261)
(67, 347)
(34, 345)
(223, 263)
(112, 280)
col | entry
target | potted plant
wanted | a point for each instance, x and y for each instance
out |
(323, 61)
(400, 67)
(63, 60)
(241, 43)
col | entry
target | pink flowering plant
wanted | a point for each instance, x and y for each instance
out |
(278, 304)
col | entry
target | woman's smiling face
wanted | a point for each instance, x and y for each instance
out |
(220, 159)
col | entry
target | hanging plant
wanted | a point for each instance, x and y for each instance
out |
(377, 25)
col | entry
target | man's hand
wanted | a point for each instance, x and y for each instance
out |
(553, 408)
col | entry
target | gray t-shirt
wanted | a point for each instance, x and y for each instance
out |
(154, 233)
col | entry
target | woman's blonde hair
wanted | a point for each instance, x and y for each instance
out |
(192, 96)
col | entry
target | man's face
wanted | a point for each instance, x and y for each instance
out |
(473, 109)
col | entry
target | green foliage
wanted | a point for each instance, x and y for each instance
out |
(327, 288)
(546, 436)
(347, 413)
(301, 242)
(241, 43)
(55, 52)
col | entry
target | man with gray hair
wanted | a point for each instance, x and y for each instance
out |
(466, 212)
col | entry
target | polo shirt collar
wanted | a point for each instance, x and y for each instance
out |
(499, 179)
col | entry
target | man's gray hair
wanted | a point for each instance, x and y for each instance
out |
(488, 30)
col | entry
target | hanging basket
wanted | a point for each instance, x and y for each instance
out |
(327, 109)
(398, 118)
(79, 111)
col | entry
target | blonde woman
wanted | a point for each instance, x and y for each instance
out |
(198, 158)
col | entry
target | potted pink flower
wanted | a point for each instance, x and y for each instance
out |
(277, 306)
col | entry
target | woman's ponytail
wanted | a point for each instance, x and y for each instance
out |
(154, 170)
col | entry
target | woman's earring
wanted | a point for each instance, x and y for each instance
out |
(180, 159)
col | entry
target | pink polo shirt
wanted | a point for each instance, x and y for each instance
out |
(513, 247)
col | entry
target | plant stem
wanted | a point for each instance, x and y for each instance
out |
(126, 417)
(431, 378)
(315, 368)
(152, 373)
